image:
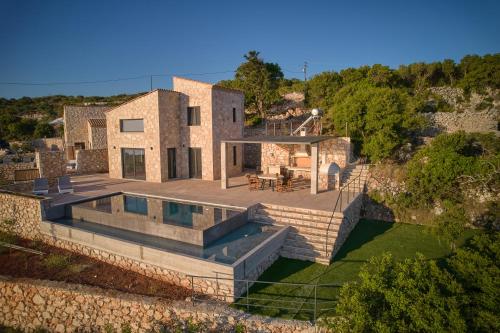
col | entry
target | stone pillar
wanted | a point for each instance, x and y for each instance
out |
(223, 165)
(314, 168)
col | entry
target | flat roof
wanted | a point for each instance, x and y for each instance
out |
(286, 139)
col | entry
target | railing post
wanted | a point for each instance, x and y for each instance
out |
(315, 302)
(274, 129)
(192, 289)
(265, 122)
(248, 305)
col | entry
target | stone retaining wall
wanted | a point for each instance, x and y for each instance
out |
(52, 164)
(62, 307)
(7, 170)
(26, 210)
(92, 161)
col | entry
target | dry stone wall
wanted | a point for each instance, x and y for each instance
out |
(92, 161)
(7, 170)
(61, 307)
(25, 210)
(51, 164)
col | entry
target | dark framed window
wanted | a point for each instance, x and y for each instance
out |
(133, 163)
(234, 155)
(193, 115)
(234, 115)
(131, 125)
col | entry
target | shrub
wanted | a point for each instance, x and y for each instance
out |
(58, 261)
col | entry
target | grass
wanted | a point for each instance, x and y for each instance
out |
(368, 239)
(59, 261)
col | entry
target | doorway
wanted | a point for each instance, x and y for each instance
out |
(133, 163)
(172, 164)
(195, 163)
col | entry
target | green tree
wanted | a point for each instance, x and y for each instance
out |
(477, 267)
(414, 295)
(378, 119)
(260, 82)
(451, 223)
(43, 130)
(321, 89)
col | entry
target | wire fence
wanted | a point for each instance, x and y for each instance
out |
(302, 301)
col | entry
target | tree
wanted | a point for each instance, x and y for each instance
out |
(321, 89)
(43, 130)
(260, 82)
(476, 267)
(378, 119)
(451, 223)
(414, 295)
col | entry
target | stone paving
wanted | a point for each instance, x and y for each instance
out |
(203, 191)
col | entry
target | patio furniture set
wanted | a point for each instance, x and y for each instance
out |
(275, 177)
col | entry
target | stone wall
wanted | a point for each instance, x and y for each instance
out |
(92, 161)
(76, 122)
(48, 144)
(51, 164)
(7, 170)
(468, 121)
(25, 210)
(350, 219)
(62, 307)
(97, 137)
(252, 155)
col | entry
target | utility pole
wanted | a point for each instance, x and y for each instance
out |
(304, 69)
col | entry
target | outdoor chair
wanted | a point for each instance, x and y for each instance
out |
(284, 184)
(64, 184)
(40, 186)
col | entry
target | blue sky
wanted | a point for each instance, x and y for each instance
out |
(60, 41)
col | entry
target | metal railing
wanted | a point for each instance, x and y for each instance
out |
(346, 189)
(316, 300)
(20, 248)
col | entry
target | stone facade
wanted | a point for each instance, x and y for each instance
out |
(97, 134)
(7, 170)
(468, 121)
(48, 144)
(92, 161)
(51, 164)
(165, 126)
(76, 123)
(61, 307)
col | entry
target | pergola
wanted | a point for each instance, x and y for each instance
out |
(313, 141)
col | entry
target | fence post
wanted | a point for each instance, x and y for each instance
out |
(315, 301)
(248, 305)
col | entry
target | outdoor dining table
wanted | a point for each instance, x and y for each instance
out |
(271, 178)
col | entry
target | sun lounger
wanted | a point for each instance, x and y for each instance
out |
(64, 184)
(40, 186)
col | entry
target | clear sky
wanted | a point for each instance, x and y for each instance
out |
(60, 41)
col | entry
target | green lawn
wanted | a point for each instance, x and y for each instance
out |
(368, 239)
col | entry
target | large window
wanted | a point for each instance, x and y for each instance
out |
(193, 116)
(131, 125)
(133, 163)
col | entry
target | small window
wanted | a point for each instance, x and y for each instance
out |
(193, 116)
(234, 155)
(131, 125)
(79, 145)
(234, 115)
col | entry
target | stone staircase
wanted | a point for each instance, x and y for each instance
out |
(306, 238)
(351, 172)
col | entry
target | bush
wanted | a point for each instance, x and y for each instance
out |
(58, 261)
(414, 295)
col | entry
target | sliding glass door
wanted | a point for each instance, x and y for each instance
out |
(133, 163)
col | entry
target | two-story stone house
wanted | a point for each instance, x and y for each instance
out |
(168, 134)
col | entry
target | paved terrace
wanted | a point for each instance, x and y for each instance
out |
(204, 191)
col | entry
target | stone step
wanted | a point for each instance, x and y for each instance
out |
(304, 254)
(296, 213)
(312, 237)
(313, 245)
(304, 211)
(301, 229)
(297, 222)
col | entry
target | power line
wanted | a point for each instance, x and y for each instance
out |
(150, 76)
